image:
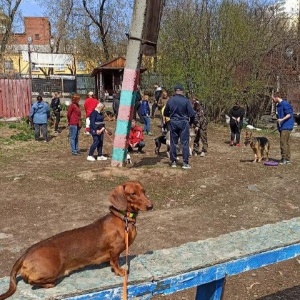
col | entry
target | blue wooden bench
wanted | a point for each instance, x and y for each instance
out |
(203, 264)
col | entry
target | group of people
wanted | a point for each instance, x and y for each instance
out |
(178, 114)
(285, 125)
(40, 114)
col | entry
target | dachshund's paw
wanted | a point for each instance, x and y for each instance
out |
(121, 272)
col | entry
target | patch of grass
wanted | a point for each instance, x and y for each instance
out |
(24, 132)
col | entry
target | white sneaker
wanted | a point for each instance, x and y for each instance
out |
(202, 154)
(101, 157)
(90, 158)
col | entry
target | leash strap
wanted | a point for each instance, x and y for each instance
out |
(126, 260)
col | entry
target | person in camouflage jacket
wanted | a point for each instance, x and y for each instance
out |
(200, 126)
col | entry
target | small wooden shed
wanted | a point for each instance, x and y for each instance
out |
(109, 77)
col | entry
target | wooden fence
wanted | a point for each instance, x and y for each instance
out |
(15, 98)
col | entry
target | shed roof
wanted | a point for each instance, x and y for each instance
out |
(114, 64)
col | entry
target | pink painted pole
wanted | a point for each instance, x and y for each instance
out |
(130, 80)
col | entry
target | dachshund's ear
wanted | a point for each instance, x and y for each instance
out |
(118, 198)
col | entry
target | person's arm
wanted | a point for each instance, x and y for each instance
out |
(32, 111)
(69, 113)
(287, 111)
(92, 122)
(167, 110)
(47, 110)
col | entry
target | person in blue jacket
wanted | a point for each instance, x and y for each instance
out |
(145, 112)
(39, 115)
(285, 125)
(180, 111)
(97, 129)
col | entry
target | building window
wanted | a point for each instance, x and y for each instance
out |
(8, 65)
(37, 36)
(60, 68)
(34, 68)
(81, 66)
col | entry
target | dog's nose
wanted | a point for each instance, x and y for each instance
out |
(149, 206)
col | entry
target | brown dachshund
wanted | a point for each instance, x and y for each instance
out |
(104, 240)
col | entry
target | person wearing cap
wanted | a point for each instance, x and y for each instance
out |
(89, 105)
(180, 111)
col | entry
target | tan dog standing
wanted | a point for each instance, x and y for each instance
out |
(259, 145)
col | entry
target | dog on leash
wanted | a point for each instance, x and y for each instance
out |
(164, 139)
(104, 240)
(259, 145)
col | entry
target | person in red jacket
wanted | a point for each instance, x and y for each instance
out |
(135, 138)
(74, 122)
(90, 104)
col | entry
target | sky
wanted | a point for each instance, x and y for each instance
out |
(30, 8)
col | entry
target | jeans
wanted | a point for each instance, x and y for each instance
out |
(38, 128)
(179, 129)
(57, 120)
(153, 108)
(146, 120)
(140, 145)
(201, 135)
(97, 144)
(74, 133)
(235, 131)
(284, 144)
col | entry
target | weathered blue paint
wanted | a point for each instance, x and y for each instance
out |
(208, 280)
(203, 264)
(212, 290)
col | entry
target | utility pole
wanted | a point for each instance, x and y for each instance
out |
(130, 79)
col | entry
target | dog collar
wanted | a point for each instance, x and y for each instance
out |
(124, 215)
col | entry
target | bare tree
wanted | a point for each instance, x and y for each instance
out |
(9, 9)
(111, 18)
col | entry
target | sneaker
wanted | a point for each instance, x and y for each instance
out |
(202, 154)
(283, 161)
(173, 165)
(90, 158)
(101, 157)
(150, 133)
(238, 145)
(288, 162)
(186, 166)
(76, 153)
(56, 132)
(231, 143)
(87, 133)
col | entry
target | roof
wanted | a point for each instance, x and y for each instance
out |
(115, 64)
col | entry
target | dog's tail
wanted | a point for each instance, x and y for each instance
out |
(12, 280)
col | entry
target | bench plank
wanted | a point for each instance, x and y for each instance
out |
(166, 271)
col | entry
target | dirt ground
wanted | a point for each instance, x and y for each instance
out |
(44, 190)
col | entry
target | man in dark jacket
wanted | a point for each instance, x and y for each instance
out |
(157, 94)
(236, 115)
(56, 108)
(180, 111)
